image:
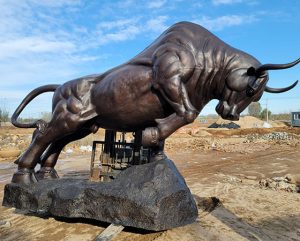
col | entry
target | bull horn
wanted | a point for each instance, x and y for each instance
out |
(280, 90)
(265, 67)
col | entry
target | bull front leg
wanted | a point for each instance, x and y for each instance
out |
(173, 65)
(152, 136)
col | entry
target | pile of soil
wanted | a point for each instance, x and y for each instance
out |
(193, 131)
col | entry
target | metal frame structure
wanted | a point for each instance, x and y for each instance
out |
(116, 155)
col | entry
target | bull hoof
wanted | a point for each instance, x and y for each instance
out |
(24, 176)
(46, 173)
(150, 137)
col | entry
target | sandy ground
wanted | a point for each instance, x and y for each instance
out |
(222, 168)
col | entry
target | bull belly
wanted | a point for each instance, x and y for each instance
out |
(124, 99)
(130, 120)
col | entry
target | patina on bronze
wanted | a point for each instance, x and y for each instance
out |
(160, 90)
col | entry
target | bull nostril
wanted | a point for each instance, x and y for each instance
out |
(231, 117)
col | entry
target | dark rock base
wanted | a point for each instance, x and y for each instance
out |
(153, 196)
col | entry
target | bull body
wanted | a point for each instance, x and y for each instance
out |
(127, 90)
(158, 91)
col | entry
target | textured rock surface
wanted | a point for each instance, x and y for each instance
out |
(153, 196)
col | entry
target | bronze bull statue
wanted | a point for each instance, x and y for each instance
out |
(160, 90)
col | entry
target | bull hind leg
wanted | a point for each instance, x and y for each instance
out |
(31, 156)
(61, 125)
(49, 158)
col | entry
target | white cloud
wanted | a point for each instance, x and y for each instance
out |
(230, 2)
(116, 31)
(128, 32)
(11, 94)
(35, 48)
(25, 71)
(157, 24)
(108, 25)
(225, 2)
(222, 22)
(34, 44)
(198, 5)
(126, 4)
(55, 3)
(156, 3)
(39, 44)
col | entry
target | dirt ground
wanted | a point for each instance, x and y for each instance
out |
(237, 178)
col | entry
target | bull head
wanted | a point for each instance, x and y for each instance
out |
(244, 86)
(261, 72)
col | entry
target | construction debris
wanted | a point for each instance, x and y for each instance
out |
(5, 224)
(109, 233)
(230, 125)
(245, 122)
(280, 183)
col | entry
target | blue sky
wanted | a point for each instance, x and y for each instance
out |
(53, 41)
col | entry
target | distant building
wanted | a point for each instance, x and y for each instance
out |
(295, 119)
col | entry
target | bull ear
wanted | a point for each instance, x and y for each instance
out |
(251, 71)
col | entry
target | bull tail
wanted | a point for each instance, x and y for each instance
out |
(34, 93)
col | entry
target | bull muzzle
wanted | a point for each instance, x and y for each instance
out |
(227, 112)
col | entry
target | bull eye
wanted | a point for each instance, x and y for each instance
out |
(251, 71)
(249, 91)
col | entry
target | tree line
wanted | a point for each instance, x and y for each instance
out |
(5, 117)
(255, 109)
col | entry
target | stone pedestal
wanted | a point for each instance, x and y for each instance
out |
(153, 196)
